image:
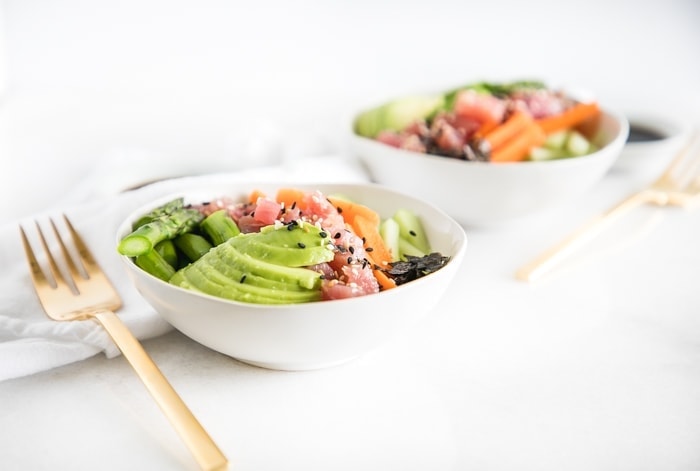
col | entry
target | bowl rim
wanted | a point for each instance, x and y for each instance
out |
(461, 239)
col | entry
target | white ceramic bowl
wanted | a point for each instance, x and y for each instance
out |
(483, 193)
(311, 335)
(648, 157)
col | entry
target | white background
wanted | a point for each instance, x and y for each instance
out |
(223, 84)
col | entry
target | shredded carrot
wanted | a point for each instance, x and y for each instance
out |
(518, 148)
(510, 128)
(367, 229)
(351, 210)
(254, 195)
(570, 117)
(486, 127)
(378, 253)
(384, 281)
(291, 197)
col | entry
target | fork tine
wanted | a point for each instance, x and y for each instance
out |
(53, 266)
(38, 275)
(72, 267)
(88, 261)
(75, 274)
(686, 164)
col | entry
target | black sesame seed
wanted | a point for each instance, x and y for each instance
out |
(352, 249)
(323, 234)
(337, 235)
(252, 213)
(364, 264)
(369, 249)
(340, 210)
(301, 245)
(206, 203)
(349, 260)
(364, 240)
(412, 232)
(294, 205)
(243, 278)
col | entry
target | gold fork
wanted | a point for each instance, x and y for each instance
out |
(678, 185)
(87, 294)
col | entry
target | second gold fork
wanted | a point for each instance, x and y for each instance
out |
(678, 185)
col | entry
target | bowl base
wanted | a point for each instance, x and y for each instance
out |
(294, 366)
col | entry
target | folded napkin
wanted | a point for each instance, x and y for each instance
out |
(30, 342)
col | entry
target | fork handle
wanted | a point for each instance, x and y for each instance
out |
(549, 259)
(205, 451)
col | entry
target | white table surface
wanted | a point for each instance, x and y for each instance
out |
(597, 369)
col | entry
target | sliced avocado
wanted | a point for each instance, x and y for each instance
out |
(235, 264)
(397, 114)
(264, 267)
(299, 245)
(369, 123)
(208, 280)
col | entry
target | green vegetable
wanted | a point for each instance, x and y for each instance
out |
(167, 250)
(397, 114)
(411, 228)
(219, 227)
(490, 88)
(154, 263)
(562, 145)
(166, 226)
(389, 231)
(262, 267)
(406, 249)
(194, 246)
(163, 210)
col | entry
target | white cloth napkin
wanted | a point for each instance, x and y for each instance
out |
(30, 342)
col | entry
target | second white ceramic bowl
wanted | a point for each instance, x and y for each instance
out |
(484, 193)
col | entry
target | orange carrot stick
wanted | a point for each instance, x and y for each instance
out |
(517, 149)
(367, 229)
(487, 127)
(384, 281)
(511, 127)
(569, 118)
(351, 210)
(254, 195)
(290, 197)
(378, 253)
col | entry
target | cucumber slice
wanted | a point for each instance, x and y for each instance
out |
(539, 154)
(411, 229)
(556, 140)
(407, 248)
(577, 144)
(389, 231)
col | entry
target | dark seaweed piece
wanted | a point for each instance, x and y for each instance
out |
(415, 267)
